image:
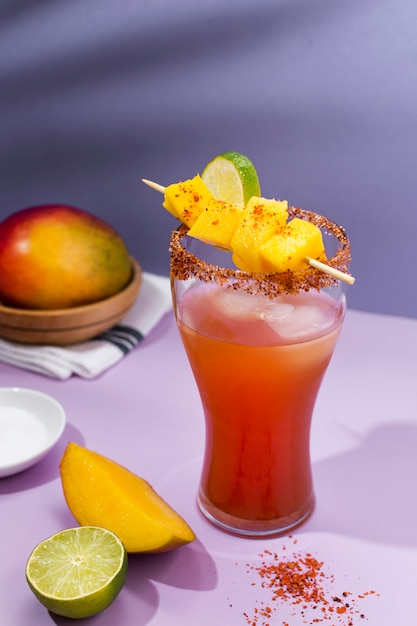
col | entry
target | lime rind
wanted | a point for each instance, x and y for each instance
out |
(232, 177)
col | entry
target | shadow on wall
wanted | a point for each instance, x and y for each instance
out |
(96, 101)
(145, 53)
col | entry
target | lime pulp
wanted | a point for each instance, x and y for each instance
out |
(232, 177)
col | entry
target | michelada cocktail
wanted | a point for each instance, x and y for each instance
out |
(259, 343)
(258, 358)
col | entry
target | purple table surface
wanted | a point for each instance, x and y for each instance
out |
(145, 413)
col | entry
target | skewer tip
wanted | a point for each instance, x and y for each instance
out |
(153, 185)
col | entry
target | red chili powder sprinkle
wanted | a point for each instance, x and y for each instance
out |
(299, 580)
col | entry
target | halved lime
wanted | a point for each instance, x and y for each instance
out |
(77, 572)
(232, 177)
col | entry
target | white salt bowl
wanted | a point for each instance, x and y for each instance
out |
(31, 423)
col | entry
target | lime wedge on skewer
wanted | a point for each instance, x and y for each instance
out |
(232, 177)
(77, 572)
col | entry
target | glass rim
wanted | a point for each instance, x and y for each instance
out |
(185, 265)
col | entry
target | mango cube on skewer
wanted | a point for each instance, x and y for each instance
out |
(288, 249)
(262, 218)
(217, 223)
(187, 199)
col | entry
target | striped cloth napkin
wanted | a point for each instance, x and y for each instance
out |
(90, 358)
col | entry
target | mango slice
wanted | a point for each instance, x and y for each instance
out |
(187, 199)
(288, 249)
(100, 492)
(262, 218)
(217, 223)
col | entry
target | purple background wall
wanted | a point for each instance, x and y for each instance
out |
(321, 94)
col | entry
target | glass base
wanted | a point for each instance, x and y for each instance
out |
(254, 528)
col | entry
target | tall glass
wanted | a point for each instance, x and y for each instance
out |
(259, 346)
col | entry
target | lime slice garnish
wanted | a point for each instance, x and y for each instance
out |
(77, 572)
(232, 177)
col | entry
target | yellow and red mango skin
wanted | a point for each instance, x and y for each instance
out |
(57, 256)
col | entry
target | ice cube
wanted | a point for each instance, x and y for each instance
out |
(241, 306)
(236, 305)
(305, 321)
(273, 310)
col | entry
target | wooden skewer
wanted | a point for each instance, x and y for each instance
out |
(327, 269)
(318, 265)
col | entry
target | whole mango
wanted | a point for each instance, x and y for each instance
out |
(57, 256)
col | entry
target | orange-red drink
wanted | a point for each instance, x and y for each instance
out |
(258, 347)
(258, 388)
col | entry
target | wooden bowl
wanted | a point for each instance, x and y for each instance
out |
(66, 326)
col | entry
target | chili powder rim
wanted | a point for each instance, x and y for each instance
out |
(185, 265)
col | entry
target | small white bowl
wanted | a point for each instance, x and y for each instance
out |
(31, 422)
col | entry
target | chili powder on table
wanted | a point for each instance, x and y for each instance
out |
(299, 579)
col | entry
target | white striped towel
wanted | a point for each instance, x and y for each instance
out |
(90, 358)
